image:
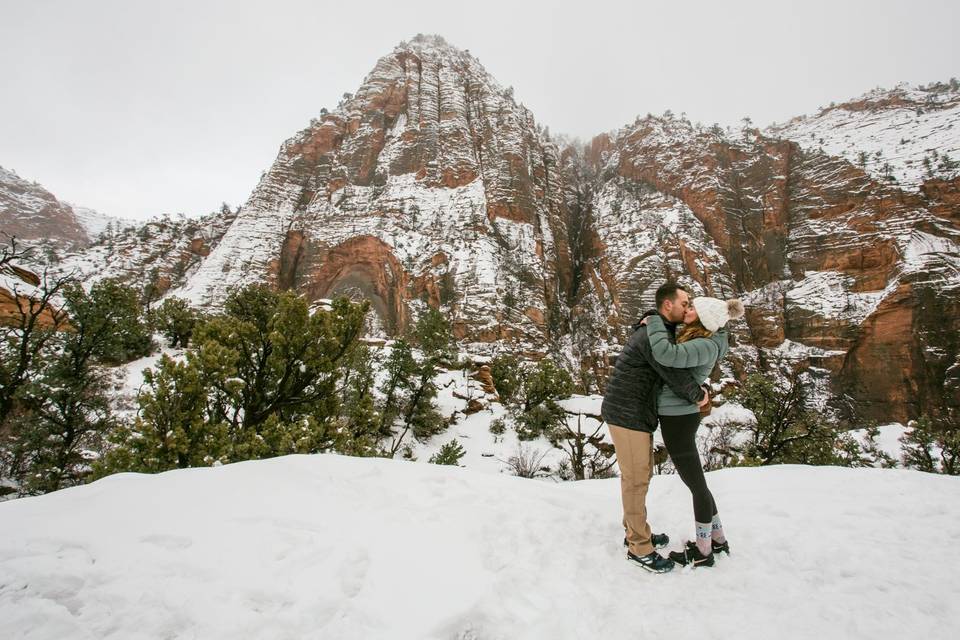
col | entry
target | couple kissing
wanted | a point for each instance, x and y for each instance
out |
(660, 377)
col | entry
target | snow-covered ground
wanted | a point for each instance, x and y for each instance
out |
(484, 451)
(888, 439)
(332, 547)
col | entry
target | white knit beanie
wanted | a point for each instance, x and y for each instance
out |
(715, 313)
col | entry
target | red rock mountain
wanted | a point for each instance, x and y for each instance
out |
(847, 271)
(35, 216)
(432, 187)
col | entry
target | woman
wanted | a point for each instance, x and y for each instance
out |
(700, 345)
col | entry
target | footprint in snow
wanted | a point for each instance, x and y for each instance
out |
(353, 572)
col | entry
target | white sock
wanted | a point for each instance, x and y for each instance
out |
(717, 530)
(703, 537)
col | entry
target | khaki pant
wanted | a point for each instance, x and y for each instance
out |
(635, 458)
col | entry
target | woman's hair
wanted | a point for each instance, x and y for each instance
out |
(693, 330)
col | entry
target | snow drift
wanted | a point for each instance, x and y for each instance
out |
(333, 547)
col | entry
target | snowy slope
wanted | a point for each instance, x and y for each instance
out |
(334, 547)
(896, 129)
(96, 223)
(166, 249)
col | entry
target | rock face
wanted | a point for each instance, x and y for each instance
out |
(52, 227)
(18, 300)
(827, 257)
(36, 217)
(879, 253)
(432, 187)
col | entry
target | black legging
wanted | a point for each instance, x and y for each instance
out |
(680, 436)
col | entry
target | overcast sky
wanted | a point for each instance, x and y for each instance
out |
(141, 108)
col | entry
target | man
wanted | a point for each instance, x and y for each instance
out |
(630, 410)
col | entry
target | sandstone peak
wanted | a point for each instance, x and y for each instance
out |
(429, 43)
(435, 46)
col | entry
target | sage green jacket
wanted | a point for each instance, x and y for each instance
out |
(699, 355)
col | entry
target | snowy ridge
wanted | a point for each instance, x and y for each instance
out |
(294, 548)
(243, 256)
(96, 223)
(35, 216)
(156, 252)
(907, 237)
(887, 132)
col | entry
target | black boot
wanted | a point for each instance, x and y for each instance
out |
(653, 562)
(716, 547)
(691, 555)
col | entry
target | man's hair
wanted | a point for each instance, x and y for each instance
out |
(667, 292)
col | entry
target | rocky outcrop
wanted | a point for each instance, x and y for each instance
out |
(36, 217)
(362, 267)
(20, 300)
(907, 359)
(484, 376)
(153, 257)
(943, 198)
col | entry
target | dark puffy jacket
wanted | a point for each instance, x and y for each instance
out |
(633, 386)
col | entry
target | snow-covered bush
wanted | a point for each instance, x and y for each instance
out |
(528, 462)
(932, 445)
(449, 454)
(787, 429)
(54, 405)
(262, 379)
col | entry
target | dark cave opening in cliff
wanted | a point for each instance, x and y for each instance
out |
(357, 286)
